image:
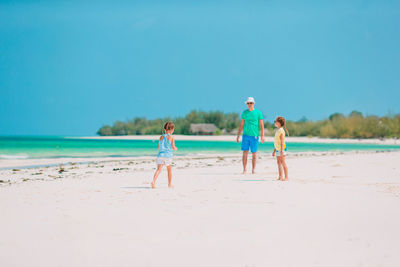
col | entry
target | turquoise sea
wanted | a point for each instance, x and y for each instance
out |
(55, 147)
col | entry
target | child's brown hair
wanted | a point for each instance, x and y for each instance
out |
(282, 122)
(169, 125)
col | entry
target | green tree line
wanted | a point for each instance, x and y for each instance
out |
(142, 126)
(354, 125)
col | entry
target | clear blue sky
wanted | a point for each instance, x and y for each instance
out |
(68, 67)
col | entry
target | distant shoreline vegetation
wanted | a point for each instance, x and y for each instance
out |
(355, 125)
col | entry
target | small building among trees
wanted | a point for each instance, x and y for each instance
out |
(203, 128)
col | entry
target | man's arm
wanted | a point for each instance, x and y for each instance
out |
(261, 123)
(240, 130)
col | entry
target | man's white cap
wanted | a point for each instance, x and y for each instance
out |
(250, 100)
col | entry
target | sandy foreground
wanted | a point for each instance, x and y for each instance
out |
(336, 210)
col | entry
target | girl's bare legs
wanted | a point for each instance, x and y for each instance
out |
(279, 161)
(285, 168)
(169, 169)
(159, 168)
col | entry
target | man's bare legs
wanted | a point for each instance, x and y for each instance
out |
(159, 168)
(254, 161)
(169, 169)
(244, 160)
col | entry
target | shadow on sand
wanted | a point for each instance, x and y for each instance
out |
(136, 187)
(253, 180)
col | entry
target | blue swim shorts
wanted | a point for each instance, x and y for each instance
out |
(250, 142)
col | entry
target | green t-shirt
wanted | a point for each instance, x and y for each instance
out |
(251, 122)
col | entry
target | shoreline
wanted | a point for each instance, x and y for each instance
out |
(294, 139)
(36, 163)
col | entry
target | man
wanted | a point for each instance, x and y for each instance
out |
(252, 122)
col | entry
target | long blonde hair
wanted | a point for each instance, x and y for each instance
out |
(282, 122)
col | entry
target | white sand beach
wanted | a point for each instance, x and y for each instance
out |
(336, 210)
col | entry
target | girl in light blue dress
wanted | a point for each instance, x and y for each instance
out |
(166, 146)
